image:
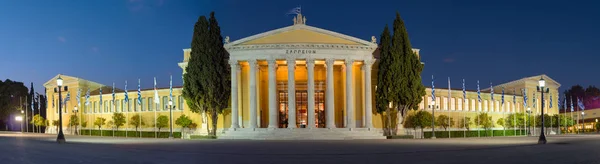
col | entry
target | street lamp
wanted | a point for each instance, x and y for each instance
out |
(170, 106)
(20, 119)
(542, 88)
(583, 124)
(433, 107)
(528, 121)
(59, 83)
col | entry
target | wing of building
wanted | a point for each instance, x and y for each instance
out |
(297, 81)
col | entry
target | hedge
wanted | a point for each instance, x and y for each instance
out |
(474, 133)
(401, 137)
(200, 137)
(145, 134)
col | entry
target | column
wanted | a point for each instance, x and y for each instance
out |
(234, 97)
(310, 65)
(368, 98)
(253, 103)
(329, 115)
(272, 95)
(291, 63)
(349, 95)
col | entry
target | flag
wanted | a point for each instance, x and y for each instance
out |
(78, 96)
(534, 100)
(171, 89)
(565, 102)
(156, 98)
(572, 109)
(295, 10)
(432, 89)
(502, 95)
(139, 98)
(100, 103)
(126, 95)
(524, 97)
(113, 94)
(514, 96)
(87, 97)
(65, 103)
(492, 92)
(478, 92)
(52, 100)
(464, 92)
(580, 104)
(449, 94)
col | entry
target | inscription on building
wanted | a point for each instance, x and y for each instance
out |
(300, 51)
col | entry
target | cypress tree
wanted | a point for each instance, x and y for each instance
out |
(384, 79)
(207, 82)
(193, 91)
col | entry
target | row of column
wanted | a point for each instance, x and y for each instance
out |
(329, 98)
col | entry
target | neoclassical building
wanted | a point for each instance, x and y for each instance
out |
(301, 82)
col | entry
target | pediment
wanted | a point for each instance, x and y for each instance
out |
(300, 34)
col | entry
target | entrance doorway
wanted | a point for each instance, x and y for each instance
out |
(302, 108)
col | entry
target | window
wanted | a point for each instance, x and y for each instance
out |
(485, 105)
(452, 104)
(165, 102)
(118, 106)
(180, 102)
(111, 106)
(498, 106)
(149, 104)
(460, 104)
(444, 105)
(437, 99)
(142, 105)
(135, 104)
(105, 106)
(94, 107)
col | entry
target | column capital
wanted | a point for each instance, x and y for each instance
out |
(290, 59)
(349, 61)
(271, 62)
(252, 62)
(329, 62)
(369, 61)
(310, 62)
(233, 62)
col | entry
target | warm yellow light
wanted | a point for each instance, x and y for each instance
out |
(19, 118)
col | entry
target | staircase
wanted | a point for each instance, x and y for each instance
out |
(302, 134)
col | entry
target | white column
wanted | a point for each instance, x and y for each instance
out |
(310, 64)
(349, 95)
(253, 101)
(329, 111)
(272, 95)
(234, 97)
(291, 63)
(368, 98)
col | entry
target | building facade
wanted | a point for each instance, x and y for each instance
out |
(298, 77)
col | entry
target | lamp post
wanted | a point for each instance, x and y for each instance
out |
(433, 107)
(61, 137)
(542, 88)
(75, 112)
(20, 119)
(583, 122)
(528, 122)
(170, 106)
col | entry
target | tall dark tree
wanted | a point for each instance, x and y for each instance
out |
(206, 81)
(11, 93)
(384, 81)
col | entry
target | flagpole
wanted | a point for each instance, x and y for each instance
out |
(449, 105)
(155, 91)
(464, 111)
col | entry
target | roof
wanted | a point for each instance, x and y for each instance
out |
(108, 90)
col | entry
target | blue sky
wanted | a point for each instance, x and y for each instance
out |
(118, 40)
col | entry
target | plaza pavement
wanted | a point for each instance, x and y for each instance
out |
(42, 149)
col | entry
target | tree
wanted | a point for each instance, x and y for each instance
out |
(10, 100)
(119, 120)
(84, 124)
(444, 121)
(501, 122)
(484, 121)
(136, 121)
(183, 121)
(399, 76)
(597, 128)
(110, 124)
(55, 123)
(74, 122)
(410, 121)
(207, 79)
(423, 119)
(161, 122)
(465, 123)
(100, 122)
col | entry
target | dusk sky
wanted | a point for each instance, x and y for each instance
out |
(118, 40)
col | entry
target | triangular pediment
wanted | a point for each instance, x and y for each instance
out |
(300, 34)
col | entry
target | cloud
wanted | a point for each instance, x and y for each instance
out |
(95, 49)
(61, 39)
(449, 60)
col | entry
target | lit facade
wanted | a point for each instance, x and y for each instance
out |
(297, 77)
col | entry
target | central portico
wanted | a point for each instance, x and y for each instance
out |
(301, 77)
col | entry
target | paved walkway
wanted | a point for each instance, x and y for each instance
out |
(40, 148)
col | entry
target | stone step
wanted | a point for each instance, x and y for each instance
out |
(302, 134)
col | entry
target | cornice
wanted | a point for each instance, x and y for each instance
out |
(300, 46)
